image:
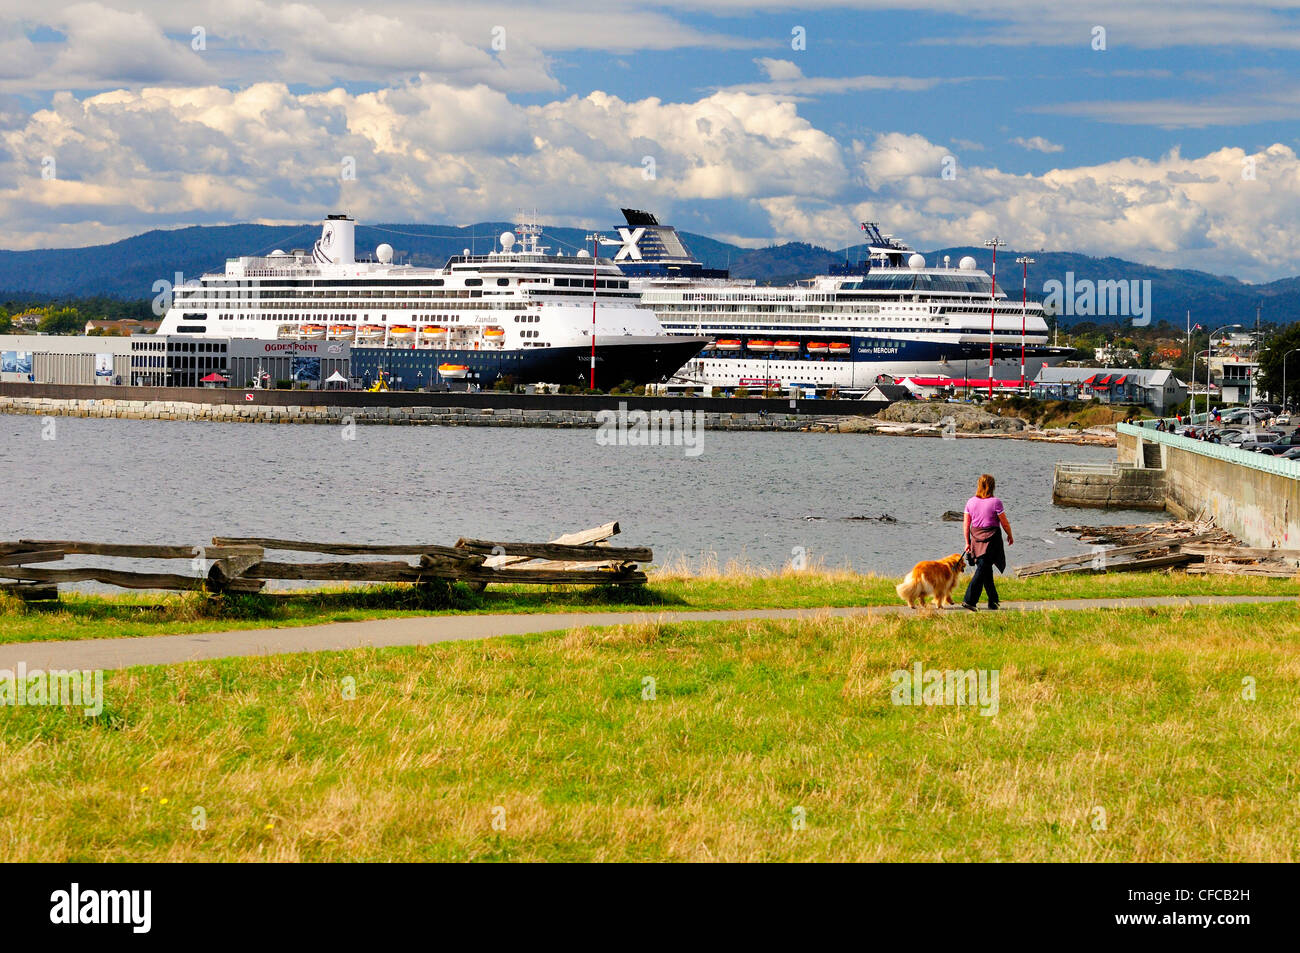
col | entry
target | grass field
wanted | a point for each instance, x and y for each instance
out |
(81, 616)
(546, 748)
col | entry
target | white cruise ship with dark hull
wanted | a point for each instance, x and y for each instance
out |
(517, 314)
(891, 316)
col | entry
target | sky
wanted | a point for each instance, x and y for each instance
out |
(1159, 132)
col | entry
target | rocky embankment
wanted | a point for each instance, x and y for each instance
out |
(927, 419)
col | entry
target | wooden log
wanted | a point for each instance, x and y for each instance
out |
(594, 536)
(557, 551)
(78, 548)
(1233, 569)
(1061, 563)
(1222, 551)
(336, 572)
(31, 591)
(110, 577)
(224, 574)
(337, 549)
(31, 556)
(1126, 565)
(553, 577)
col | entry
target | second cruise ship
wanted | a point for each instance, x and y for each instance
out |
(892, 316)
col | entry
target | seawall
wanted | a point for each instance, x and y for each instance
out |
(1255, 497)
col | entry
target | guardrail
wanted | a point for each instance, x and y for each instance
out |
(1216, 451)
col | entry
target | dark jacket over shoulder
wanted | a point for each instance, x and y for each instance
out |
(988, 539)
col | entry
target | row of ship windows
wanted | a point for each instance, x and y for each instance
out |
(744, 328)
(352, 306)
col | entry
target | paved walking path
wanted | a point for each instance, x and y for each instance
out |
(424, 630)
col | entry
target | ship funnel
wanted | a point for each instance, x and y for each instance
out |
(337, 242)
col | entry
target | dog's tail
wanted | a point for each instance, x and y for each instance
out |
(904, 588)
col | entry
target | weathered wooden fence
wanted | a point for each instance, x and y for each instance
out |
(239, 564)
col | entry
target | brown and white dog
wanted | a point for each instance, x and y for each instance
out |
(934, 577)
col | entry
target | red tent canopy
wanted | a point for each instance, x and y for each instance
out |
(212, 378)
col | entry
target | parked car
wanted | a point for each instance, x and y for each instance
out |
(1292, 454)
(1253, 441)
(1281, 445)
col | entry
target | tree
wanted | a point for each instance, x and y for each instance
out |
(1270, 363)
(62, 321)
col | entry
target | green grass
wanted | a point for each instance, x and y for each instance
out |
(1137, 712)
(80, 616)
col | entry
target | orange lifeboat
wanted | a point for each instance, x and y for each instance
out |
(728, 345)
(454, 371)
(786, 346)
(371, 332)
(817, 347)
(340, 331)
(313, 331)
(839, 347)
(760, 345)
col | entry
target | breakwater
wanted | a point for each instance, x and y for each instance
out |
(343, 414)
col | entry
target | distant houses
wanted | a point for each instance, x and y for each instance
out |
(123, 327)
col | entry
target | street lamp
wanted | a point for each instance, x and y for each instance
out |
(1025, 262)
(995, 243)
(1209, 350)
(1294, 350)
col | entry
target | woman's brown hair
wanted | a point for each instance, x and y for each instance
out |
(985, 487)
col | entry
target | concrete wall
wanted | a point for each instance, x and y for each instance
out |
(1123, 487)
(1245, 497)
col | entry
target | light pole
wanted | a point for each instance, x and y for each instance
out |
(1209, 349)
(1285, 405)
(995, 243)
(1024, 262)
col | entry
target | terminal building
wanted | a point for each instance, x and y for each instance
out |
(64, 359)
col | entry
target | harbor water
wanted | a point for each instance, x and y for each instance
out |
(758, 500)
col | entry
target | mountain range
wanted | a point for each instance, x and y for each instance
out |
(129, 268)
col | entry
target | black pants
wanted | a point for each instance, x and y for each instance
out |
(982, 580)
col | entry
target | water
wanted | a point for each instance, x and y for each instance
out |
(752, 498)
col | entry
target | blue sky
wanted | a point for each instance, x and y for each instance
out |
(1175, 145)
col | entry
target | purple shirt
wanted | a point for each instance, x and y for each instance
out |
(984, 511)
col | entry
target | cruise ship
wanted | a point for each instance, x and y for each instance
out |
(517, 312)
(891, 316)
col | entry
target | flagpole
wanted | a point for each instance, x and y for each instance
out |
(993, 243)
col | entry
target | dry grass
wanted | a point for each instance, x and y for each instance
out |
(1139, 712)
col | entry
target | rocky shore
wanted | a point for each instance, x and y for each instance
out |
(926, 419)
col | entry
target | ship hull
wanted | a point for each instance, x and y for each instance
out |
(868, 360)
(641, 360)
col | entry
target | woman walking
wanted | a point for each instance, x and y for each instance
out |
(983, 525)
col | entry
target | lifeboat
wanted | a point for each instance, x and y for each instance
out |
(340, 331)
(728, 345)
(839, 347)
(433, 331)
(817, 347)
(370, 332)
(401, 331)
(494, 334)
(760, 345)
(313, 332)
(786, 346)
(454, 372)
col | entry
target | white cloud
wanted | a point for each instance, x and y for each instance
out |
(1036, 144)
